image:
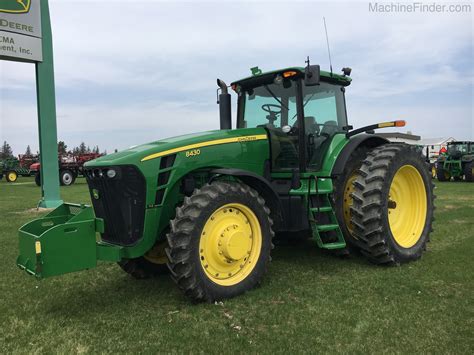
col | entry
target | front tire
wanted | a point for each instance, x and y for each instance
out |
(220, 241)
(11, 176)
(393, 204)
(442, 174)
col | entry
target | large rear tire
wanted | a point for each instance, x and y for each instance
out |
(66, 177)
(392, 213)
(220, 241)
(469, 171)
(343, 188)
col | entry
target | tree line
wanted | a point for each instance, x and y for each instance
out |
(6, 151)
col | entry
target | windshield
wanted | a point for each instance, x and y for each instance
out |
(274, 106)
(452, 148)
(269, 105)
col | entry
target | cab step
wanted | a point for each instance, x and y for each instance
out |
(335, 245)
(321, 209)
(327, 227)
(323, 188)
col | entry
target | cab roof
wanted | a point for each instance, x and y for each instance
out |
(265, 77)
(460, 142)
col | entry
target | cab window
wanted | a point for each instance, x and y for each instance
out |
(324, 106)
(269, 105)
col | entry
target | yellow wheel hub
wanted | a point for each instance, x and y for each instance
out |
(433, 172)
(12, 176)
(230, 244)
(348, 190)
(407, 206)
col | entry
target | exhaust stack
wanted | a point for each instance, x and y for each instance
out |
(225, 115)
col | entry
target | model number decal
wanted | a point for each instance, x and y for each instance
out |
(193, 152)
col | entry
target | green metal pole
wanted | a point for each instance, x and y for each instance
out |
(48, 142)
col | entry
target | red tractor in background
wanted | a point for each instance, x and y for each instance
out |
(70, 167)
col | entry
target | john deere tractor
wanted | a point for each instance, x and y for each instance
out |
(457, 162)
(205, 207)
(12, 168)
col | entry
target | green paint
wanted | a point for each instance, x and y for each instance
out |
(46, 102)
(63, 241)
(256, 71)
(15, 6)
(249, 156)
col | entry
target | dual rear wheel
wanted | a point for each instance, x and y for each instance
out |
(388, 204)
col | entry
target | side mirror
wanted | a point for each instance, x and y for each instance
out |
(312, 75)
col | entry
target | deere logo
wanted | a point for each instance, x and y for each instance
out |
(15, 6)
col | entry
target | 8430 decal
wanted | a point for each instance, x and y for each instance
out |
(193, 152)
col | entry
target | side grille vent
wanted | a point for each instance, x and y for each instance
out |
(166, 164)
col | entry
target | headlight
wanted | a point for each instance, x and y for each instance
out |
(111, 173)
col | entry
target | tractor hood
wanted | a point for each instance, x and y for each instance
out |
(150, 151)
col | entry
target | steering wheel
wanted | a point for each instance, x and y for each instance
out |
(268, 108)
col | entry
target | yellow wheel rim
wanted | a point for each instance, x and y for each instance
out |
(230, 244)
(348, 190)
(433, 171)
(407, 206)
(12, 176)
(157, 254)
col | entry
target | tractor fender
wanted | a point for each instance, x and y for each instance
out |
(263, 187)
(360, 140)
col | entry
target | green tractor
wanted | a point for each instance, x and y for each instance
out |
(12, 168)
(205, 207)
(457, 162)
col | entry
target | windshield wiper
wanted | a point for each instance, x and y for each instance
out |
(276, 98)
(304, 105)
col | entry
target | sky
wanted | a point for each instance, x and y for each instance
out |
(130, 72)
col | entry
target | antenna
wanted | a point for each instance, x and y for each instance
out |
(327, 41)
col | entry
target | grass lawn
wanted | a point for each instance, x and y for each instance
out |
(310, 301)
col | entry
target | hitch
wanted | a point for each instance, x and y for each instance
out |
(63, 241)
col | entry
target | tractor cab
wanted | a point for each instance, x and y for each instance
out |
(457, 149)
(300, 117)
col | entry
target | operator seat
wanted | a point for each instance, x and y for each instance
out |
(310, 125)
(329, 128)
